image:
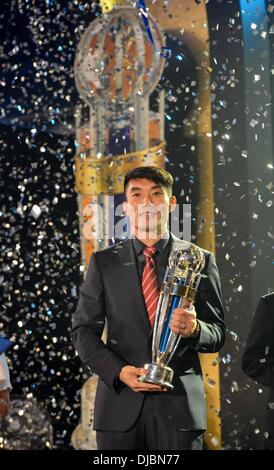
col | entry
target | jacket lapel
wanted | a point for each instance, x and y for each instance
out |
(177, 243)
(130, 277)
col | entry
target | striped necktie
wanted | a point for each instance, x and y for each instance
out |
(150, 283)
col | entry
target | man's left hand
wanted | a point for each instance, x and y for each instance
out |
(183, 321)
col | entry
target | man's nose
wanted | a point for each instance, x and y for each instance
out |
(147, 200)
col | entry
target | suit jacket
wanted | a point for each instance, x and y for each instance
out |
(112, 291)
(258, 357)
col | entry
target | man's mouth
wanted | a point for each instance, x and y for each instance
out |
(148, 212)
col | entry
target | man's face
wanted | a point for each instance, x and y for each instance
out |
(147, 205)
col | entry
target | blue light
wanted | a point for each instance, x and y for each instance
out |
(252, 12)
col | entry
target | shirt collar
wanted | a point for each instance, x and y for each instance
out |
(160, 244)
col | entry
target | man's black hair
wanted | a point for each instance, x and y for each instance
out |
(153, 173)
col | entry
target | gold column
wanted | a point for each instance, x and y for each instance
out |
(108, 5)
(190, 19)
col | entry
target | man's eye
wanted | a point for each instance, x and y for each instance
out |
(135, 195)
(158, 192)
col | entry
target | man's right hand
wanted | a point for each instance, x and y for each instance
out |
(129, 376)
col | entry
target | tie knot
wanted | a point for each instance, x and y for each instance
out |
(149, 251)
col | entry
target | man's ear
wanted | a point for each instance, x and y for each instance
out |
(172, 203)
(125, 207)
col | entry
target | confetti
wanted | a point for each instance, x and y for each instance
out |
(40, 256)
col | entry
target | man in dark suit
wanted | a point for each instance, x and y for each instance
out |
(129, 414)
(258, 357)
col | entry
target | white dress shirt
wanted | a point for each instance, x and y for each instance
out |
(4, 373)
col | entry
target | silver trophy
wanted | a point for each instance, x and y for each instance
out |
(180, 284)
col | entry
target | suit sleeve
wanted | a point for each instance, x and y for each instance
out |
(88, 326)
(210, 311)
(258, 357)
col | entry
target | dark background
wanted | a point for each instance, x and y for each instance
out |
(40, 257)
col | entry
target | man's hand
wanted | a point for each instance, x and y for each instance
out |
(129, 376)
(183, 320)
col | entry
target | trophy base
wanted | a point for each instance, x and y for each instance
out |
(157, 374)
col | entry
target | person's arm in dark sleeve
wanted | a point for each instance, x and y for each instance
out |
(258, 357)
(88, 326)
(210, 311)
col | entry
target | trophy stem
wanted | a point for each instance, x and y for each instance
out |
(174, 304)
(174, 338)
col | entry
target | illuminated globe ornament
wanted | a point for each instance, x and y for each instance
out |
(116, 70)
(115, 60)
